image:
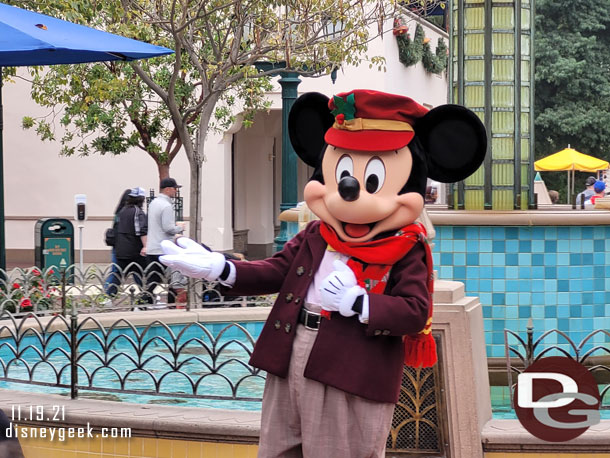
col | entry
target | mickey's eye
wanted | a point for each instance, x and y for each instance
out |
(345, 168)
(374, 175)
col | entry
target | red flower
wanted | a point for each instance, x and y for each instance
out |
(50, 272)
(16, 285)
(340, 118)
(25, 303)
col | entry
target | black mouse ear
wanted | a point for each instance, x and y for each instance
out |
(455, 142)
(308, 121)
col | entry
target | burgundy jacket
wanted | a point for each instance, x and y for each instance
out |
(365, 360)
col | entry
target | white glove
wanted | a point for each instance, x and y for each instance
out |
(191, 259)
(340, 290)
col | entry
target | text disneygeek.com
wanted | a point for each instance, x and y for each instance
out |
(61, 433)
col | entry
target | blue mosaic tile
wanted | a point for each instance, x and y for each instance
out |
(563, 285)
(550, 311)
(513, 233)
(538, 233)
(498, 298)
(560, 276)
(472, 245)
(537, 246)
(485, 246)
(538, 298)
(472, 232)
(512, 299)
(485, 232)
(472, 259)
(537, 259)
(512, 246)
(563, 233)
(446, 258)
(485, 259)
(563, 272)
(550, 233)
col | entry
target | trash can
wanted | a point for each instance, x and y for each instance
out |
(54, 245)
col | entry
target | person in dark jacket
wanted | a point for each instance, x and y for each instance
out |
(114, 279)
(132, 227)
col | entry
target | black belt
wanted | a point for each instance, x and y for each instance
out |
(310, 320)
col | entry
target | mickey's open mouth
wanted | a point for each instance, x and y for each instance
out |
(357, 230)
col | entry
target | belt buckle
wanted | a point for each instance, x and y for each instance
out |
(307, 315)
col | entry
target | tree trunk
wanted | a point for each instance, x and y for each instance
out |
(163, 171)
(196, 160)
(195, 201)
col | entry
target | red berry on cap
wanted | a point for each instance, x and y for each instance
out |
(340, 118)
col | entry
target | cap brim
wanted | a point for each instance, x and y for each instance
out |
(368, 140)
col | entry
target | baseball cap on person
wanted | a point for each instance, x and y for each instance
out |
(169, 183)
(599, 186)
(137, 192)
(590, 181)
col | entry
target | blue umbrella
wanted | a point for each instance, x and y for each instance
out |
(28, 38)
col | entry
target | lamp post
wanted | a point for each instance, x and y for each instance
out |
(289, 82)
(2, 236)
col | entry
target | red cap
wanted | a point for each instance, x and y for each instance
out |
(368, 120)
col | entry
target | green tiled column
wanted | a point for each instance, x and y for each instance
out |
(491, 73)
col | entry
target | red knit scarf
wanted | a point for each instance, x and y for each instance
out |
(372, 261)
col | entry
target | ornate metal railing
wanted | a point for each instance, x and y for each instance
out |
(174, 362)
(154, 360)
(109, 288)
(419, 426)
(593, 351)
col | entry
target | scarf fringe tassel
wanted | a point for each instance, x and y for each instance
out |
(420, 350)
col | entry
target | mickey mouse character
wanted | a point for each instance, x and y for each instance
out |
(354, 300)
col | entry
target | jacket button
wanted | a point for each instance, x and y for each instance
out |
(287, 328)
(297, 300)
(310, 272)
(386, 332)
(300, 270)
(289, 297)
(377, 332)
(278, 324)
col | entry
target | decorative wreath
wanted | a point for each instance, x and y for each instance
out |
(412, 51)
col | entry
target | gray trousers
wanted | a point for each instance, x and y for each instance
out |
(305, 418)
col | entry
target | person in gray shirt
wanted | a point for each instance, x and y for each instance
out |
(161, 226)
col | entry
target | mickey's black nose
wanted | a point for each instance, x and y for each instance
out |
(349, 188)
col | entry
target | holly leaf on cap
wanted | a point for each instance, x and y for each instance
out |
(345, 107)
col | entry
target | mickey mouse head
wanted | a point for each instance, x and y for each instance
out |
(372, 153)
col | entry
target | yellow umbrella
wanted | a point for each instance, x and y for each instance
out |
(569, 160)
